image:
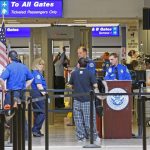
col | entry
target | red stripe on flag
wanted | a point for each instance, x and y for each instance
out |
(3, 55)
(4, 58)
(2, 63)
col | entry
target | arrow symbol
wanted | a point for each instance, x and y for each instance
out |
(4, 11)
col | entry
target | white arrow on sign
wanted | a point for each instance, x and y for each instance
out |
(4, 11)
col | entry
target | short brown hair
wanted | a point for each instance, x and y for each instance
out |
(83, 48)
(114, 54)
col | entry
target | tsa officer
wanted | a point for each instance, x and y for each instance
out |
(38, 84)
(117, 71)
(17, 77)
(82, 53)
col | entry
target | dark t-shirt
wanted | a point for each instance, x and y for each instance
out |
(82, 81)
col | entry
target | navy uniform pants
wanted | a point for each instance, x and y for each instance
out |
(39, 117)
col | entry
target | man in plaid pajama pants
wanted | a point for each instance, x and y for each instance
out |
(83, 81)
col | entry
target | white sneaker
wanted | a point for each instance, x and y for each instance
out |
(82, 140)
(97, 140)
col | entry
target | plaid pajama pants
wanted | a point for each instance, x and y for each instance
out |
(81, 113)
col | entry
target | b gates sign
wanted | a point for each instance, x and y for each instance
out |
(105, 31)
(31, 9)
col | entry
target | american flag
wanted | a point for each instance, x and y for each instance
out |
(3, 50)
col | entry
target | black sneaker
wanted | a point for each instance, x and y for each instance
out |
(35, 134)
(41, 134)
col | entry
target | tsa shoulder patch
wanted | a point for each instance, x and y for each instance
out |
(91, 64)
(110, 70)
(38, 76)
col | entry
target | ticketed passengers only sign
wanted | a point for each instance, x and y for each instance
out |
(31, 8)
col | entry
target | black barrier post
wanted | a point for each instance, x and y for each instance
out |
(15, 129)
(19, 127)
(144, 123)
(29, 123)
(23, 125)
(91, 145)
(11, 122)
(46, 124)
(2, 120)
(139, 109)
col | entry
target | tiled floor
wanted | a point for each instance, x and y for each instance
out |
(62, 137)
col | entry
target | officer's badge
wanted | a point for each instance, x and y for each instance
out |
(81, 72)
(110, 70)
(91, 65)
(38, 76)
(107, 65)
(121, 70)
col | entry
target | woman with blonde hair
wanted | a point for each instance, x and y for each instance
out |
(38, 84)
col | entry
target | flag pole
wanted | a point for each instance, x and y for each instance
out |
(3, 19)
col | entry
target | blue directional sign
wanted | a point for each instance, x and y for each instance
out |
(105, 31)
(31, 8)
(22, 32)
(18, 32)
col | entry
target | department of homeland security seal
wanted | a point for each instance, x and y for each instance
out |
(117, 102)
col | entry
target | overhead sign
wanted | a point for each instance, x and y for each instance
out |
(31, 8)
(105, 31)
(18, 32)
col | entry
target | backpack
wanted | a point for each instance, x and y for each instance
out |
(101, 86)
(98, 105)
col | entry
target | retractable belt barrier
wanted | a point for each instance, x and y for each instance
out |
(19, 118)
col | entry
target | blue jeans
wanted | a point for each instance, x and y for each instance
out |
(18, 96)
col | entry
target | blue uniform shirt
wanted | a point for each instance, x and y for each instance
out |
(122, 73)
(38, 79)
(16, 75)
(91, 66)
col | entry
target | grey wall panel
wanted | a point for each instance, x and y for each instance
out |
(107, 41)
(147, 3)
(103, 8)
(18, 42)
(61, 33)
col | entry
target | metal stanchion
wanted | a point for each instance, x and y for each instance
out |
(2, 120)
(139, 109)
(29, 123)
(15, 130)
(11, 122)
(144, 123)
(46, 124)
(23, 125)
(19, 127)
(91, 145)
